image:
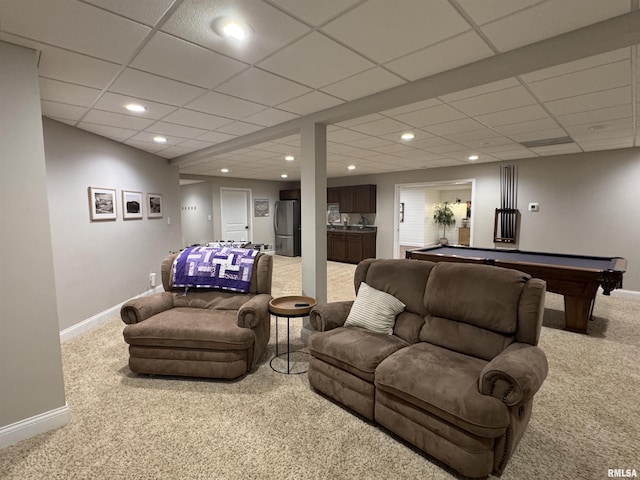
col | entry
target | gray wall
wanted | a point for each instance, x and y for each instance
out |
(31, 380)
(205, 196)
(587, 203)
(101, 264)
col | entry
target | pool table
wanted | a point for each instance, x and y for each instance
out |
(576, 277)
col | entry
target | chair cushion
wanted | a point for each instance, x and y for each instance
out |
(354, 349)
(374, 310)
(444, 383)
(191, 328)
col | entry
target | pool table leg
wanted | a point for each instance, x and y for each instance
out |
(577, 311)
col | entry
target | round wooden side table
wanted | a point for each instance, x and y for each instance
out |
(293, 306)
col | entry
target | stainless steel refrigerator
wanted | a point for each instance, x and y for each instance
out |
(286, 222)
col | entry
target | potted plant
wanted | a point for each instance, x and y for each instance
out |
(443, 215)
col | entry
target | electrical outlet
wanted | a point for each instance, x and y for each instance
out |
(534, 207)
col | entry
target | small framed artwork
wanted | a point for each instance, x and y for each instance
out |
(102, 203)
(131, 204)
(154, 205)
(261, 207)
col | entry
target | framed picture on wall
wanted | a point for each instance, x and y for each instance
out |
(102, 203)
(131, 204)
(154, 205)
(261, 207)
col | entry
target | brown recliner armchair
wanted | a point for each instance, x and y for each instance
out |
(200, 332)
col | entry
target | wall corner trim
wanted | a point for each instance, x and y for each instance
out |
(30, 427)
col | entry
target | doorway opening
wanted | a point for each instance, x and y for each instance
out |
(414, 203)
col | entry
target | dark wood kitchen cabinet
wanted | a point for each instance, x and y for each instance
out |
(351, 247)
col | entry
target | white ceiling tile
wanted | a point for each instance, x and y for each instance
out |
(309, 103)
(515, 154)
(239, 128)
(116, 120)
(371, 142)
(313, 12)
(550, 18)
(191, 118)
(591, 101)
(61, 110)
(578, 65)
(270, 116)
(474, 137)
(146, 86)
(113, 102)
(450, 147)
(484, 12)
(514, 115)
(596, 116)
(189, 63)
(529, 126)
(143, 11)
(430, 116)
(363, 84)
(331, 61)
(225, 105)
(609, 145)
(454, 52)
(67, 93)
(59, 64)
(612, 129)
(495, 101)
(262, 87)
(586, 81)
(115, 133)
(344, 135)
(408, 26)
(271, 29)
(172, 129)
(74, 26)
(359, 120)
(147, 138)
(380, 127)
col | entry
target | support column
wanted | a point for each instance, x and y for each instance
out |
(313, 184)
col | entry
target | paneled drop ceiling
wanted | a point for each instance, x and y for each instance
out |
(203, 91)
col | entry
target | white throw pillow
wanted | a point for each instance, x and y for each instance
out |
(374, 310)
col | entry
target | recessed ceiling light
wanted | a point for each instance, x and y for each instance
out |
(408, 136)
(473, 157)
(351, 167)
(224, 170)
(135, 107)
(289, 158)
(160, 139)
(230, 28)
(284, 175)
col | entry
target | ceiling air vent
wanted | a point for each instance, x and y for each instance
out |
(545, 142)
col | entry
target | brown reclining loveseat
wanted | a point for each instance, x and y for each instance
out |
(457, 376)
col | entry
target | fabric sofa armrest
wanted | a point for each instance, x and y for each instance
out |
(254, 311)
(139, 309)
(327, 316)
(515, 375)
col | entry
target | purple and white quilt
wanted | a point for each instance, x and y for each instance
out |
(225, 268)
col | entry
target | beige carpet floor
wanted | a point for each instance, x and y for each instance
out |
(586, 418)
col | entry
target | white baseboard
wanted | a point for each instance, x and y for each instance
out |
(99, 318)
(30, 427)
(628, 294)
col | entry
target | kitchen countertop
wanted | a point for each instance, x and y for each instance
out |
(351, 228)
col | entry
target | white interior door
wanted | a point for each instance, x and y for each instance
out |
(235, 215)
